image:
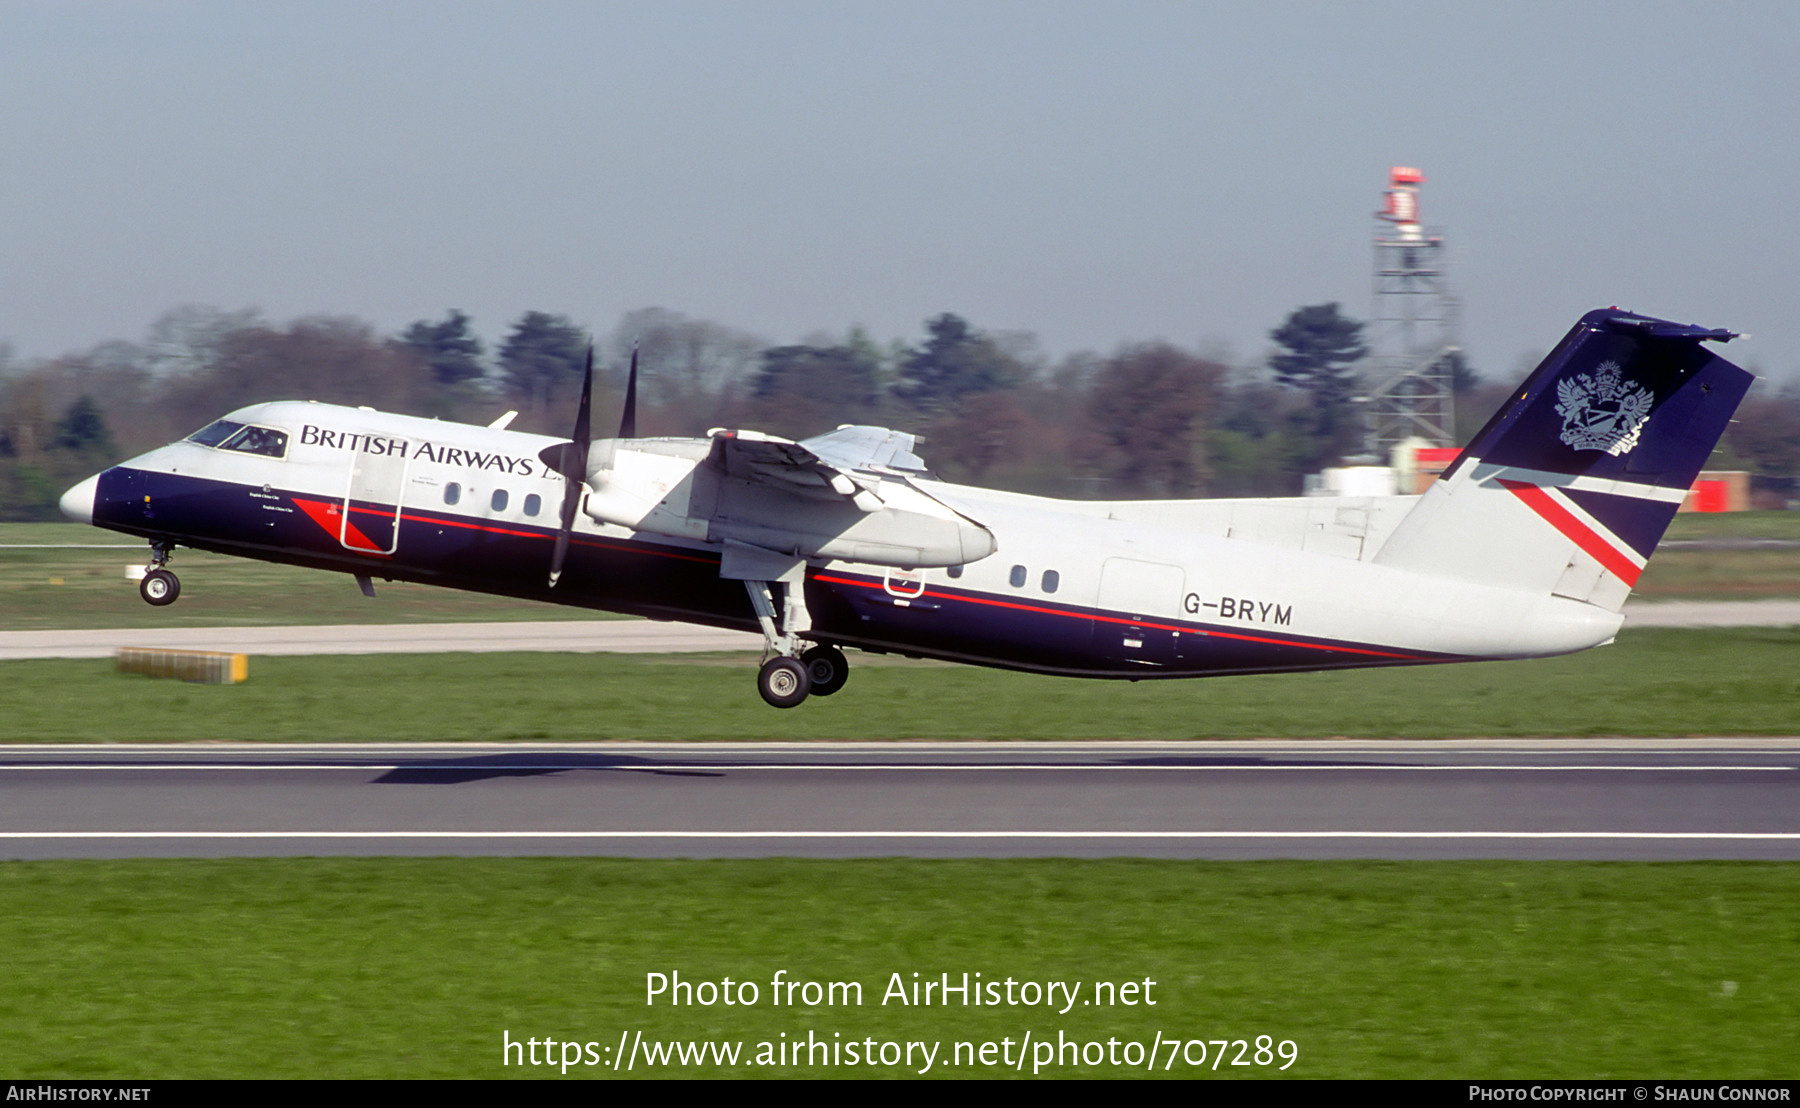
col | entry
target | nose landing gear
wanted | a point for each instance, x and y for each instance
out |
(159, 586)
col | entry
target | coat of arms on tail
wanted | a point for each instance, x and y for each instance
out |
(1600, 411)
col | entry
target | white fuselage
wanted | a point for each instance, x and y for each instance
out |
(1131, 589)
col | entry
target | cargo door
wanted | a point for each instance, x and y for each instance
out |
(1132, 623)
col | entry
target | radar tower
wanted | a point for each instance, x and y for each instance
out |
(1412, 341)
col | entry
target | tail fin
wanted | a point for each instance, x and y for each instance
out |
(1570, 486)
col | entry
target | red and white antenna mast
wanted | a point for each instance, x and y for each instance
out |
(1412, 338)
(1402, 206)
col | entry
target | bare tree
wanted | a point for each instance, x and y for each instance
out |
(187, 339)
(1147, 413)
(326, 358)
(693, 371)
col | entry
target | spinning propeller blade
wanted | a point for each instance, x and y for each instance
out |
(573, 461)
(628, 421)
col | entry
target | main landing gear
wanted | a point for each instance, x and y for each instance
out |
(784, 682)
(159, 586)
(826, 668)
(791, 675)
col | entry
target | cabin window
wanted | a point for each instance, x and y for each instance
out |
(266, 441)
(215, 432)
(499, 500)
(953, 572)
(452, 493)
(1051, 580)
(533, 503)
(1018, 577)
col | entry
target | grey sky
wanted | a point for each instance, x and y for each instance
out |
(1093, 173)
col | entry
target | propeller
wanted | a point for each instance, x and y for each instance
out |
(628, 421)
(571, 458)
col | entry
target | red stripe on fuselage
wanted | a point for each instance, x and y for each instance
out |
(327, 514)
(1189, 629)
(323, 512)
(1574, 530)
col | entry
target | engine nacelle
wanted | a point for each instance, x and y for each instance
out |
(648, 486)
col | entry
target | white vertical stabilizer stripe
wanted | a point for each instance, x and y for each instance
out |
(1487, 474)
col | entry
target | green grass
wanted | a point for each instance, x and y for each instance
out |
(1725, 574)
(1721, 575)
(1736, 525)
(414, 968)
(1739, 681)
(57, 587)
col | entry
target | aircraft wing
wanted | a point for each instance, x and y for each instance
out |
(849, 494)
(846, 464)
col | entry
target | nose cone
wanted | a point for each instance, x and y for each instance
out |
(78, 502)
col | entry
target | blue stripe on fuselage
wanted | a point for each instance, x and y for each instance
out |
(510, 557)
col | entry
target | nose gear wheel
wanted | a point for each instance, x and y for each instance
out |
(159, 587)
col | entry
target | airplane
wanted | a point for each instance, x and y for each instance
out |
(1526, 546)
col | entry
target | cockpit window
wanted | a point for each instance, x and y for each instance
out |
(227, 434)
(266, 441)
(215, 432)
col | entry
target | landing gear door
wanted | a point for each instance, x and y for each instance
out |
(369, 521)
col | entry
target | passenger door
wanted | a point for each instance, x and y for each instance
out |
(370, 518)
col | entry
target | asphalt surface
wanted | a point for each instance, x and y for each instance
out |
(1595, 799)
(1615, 799)
(623, 636)
(615, 636)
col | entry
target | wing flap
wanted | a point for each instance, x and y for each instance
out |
(846, 464)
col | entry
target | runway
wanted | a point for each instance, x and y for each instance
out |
(614, 636)
(1589, 799)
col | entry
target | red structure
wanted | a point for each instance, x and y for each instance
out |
(1402, 200)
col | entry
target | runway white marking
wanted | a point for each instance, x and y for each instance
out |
(886, 767)
(1258, 747)
(1671, 836)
